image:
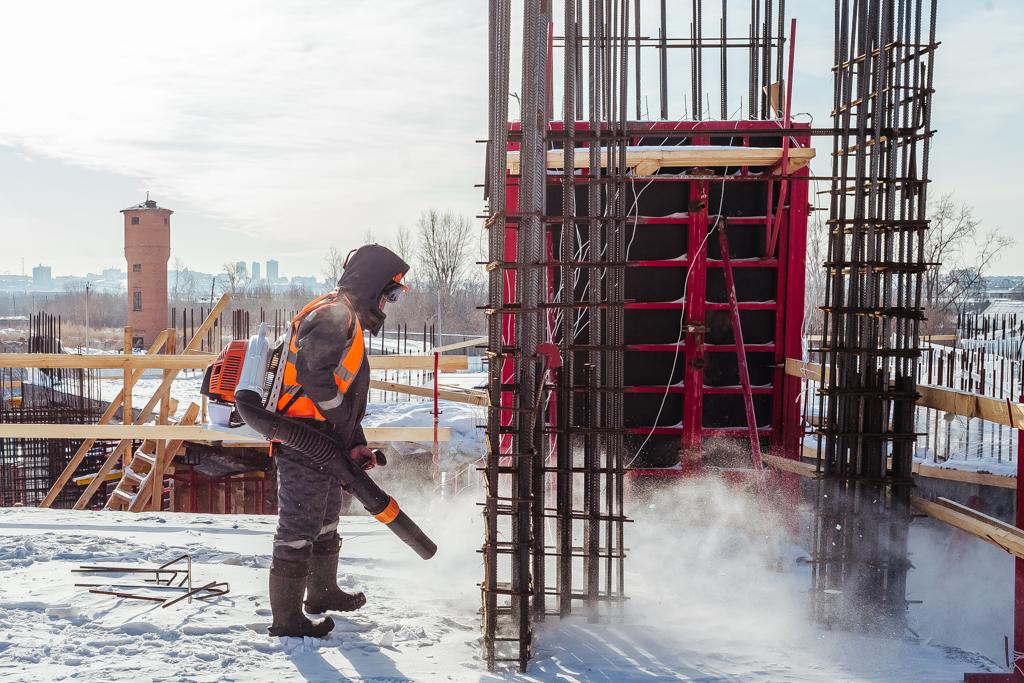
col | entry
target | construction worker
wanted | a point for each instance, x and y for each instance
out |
(325, 384)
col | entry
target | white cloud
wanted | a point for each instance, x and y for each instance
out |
(266, 114)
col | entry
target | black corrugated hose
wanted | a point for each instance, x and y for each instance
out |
(321, 449)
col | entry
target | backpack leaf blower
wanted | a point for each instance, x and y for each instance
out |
(250, 389)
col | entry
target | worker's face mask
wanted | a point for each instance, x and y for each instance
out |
(392, 293)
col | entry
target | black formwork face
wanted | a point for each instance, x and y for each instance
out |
(659, 256)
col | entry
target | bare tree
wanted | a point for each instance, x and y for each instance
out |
(234, 276)
(958, 287)
(184, 286)
(951, 229)
(444, 249)
(334, 264)
(403, 245)
(958, 257)
(814, 290)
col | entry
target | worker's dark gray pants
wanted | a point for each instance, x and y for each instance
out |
(309, 499)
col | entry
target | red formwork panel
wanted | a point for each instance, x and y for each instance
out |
(680, 390)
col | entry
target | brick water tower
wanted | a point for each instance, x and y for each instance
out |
(147, 247)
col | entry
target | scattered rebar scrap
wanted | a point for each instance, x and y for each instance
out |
(175, 576)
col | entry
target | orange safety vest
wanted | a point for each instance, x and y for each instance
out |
(295, 404)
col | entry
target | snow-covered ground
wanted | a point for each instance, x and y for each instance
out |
(702, 606)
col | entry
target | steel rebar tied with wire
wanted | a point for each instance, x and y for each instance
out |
(558, 251)
(884, 55)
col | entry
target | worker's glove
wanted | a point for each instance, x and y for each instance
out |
(363, 457)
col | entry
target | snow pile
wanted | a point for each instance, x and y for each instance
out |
(467, 442)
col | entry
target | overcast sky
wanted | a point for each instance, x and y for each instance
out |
(276, 129)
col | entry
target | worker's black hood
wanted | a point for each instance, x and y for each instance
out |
(368, 271)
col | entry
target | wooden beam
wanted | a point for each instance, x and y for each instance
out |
(803, 369)
(646, 160)
(476, 398)
(476, 341)
(115, 432)
(105, 361)
(979, 525)
(154, 493)
(193, 344)
(418, 362)
(965, 476)
(788, 465)
(1008, 413)
(162, 455)
(933, 472)
(187, 361)
(102, 472)
(999, 411)
(86, 479)
(108, 415)
(199, 361)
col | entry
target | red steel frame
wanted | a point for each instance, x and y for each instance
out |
(790, 236)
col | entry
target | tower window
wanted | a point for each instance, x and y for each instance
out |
(137, 301)
(135, 220)
(136, 267)
(165, 220)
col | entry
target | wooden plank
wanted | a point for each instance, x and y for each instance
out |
(952, 401)
(975, 523)
(88, 478)
(146, 494)
(1010, 414)
(788, 465)
(107, 416)
(187, 361)
(199, 361)
(647, 159)
(803, 369)
(105, 361)
(162, 456)
(476, 341)
(418, 362)
(114, 432)
(924, 337)
(949, 474)
(126, 397)
(477, 398)
(977, 514)
(144, 415)
(965, 476)
(102, 472)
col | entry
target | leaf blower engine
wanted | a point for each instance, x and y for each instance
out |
(246, 381)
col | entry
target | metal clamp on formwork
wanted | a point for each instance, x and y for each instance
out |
(168, 584)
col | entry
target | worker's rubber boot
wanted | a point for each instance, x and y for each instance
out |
(322, 592)
(287, 583)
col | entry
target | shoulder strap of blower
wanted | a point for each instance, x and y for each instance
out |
(325, 300)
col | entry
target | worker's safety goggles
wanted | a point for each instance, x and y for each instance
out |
(393, 292)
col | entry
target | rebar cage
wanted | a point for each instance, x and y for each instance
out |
(560, 435)
(884, 57)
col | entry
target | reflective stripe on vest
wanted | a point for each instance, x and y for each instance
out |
(294, 404)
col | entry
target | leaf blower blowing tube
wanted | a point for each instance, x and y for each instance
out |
(321, 449)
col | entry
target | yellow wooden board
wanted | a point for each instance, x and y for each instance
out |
(111, 432)
(648, 160)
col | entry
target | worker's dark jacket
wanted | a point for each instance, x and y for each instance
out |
(310, 495)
